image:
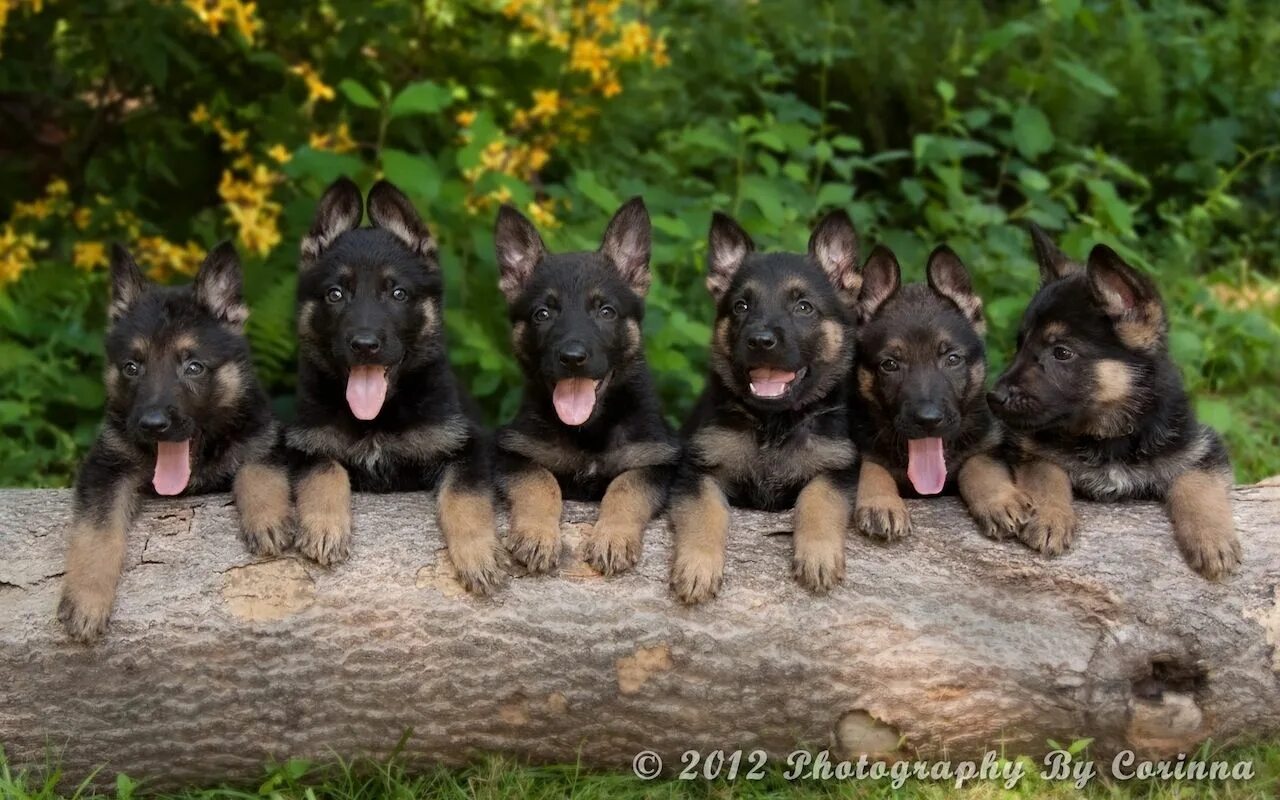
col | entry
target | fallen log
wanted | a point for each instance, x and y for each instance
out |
(216, 662)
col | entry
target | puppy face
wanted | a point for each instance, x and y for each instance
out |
(783, 331)
(576, 316)
(1088, 345)
(369, 299)
(178, 365)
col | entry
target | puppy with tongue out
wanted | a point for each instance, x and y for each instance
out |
(919, 415)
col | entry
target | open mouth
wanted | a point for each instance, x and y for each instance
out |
(771, 384)
(173, 467)
(575, 398)
(367, 390)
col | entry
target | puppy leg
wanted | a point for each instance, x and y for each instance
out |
(106, 499)
(631, 500)
(998, 506)
(1199, 504)
(534, 539)
(700, 523)
(821, 516)
(1053, 524)
(879, 511)
(324, 513)
(262, 497)
(470, 529)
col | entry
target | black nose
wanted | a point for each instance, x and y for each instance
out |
(154, 421)
(998, 397)
(761, 340)
(364, 344)
(573, 354)
(929, 417)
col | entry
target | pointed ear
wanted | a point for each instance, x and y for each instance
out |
(834, 246)
(881, 277)
(127, 282)
(391, 211)
(1054, 264)
(340, 210)
(219, 286)
(1129, 298)
(727, 246)
(627, 243)
(948, 277)
(519, 248)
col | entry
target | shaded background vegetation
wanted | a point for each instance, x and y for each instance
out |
(170, 125)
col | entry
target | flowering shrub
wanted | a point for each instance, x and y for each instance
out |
(171, 124)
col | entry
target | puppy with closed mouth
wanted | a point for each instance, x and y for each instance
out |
(379, 408)
(920, 416)
(185, 415)
(590, 425)
(1097, 407)
(771, 429)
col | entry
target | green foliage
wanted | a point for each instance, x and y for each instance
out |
(1149, 127)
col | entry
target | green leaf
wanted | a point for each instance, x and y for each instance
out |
(593, 190)
(423, 97)
(1034, 179)
(1087, 78)
(1031, 133)
(124, 786)
(836, 195)
(415, 174)
(322, 165)
(1215, 413)
(357, 94)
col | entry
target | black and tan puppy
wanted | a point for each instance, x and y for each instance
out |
(1098, 406)
(379, 408)
(185, 415)
(771, 429)
(920, 416)
(589, 425)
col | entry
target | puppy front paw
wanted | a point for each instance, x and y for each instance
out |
(1002, 516)
(84, 613)
(886, 519)
(267, 537)
(819, 566)
(538, 550)
(1214, 554)
(1051, 529)
(325, 538)
(478, 563)
(696, 577)
(611, 549)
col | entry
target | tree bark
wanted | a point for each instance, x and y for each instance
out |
(216, 662)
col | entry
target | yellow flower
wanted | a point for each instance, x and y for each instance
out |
(546, 103)
(232, 141)
(164, 259)
(82, 217)
(215, 13)
(495, 156)
(543, 214)
(339, 141)
(317, 89)
(538, 158)
(280, 154)
(38, 209)
(610, 87)
(465, 118)
(588, 56)
(16, 252)
(250, 208)
(200, 114)
(89, 255)
(56, 188)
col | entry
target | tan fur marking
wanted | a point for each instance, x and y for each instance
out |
(1053, 525)
(305, 312)
(140, 345)
(430, 317)
(263, 499)
(95, 557)
(1055, 330)
(534, 538)
(832, 341)
(470, 530)
(998, 506)
(821, 517)
(1199, 504)
(517, 333)
(324, 514)
(629, 503)
(185, 343)
(111, 378)
(715, 446)
(633, 337)
(866, 383)
(701, 527)
(1113, 382)
(1142, 329)
(230, 381)
(879, 510)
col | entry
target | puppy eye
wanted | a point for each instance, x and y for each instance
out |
(607, 312)
(542, 315)
(131, 369)
(740, 306)
(1063, 353)
(954, 360)
(399, 294)
(804, 307)
(334, 295)
(192, 369)
(889, 365)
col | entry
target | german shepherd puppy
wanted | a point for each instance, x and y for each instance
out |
(589, 425)
(920, 416)
(771, 429)
(379, 408)
(185, 415)
(1098, 406)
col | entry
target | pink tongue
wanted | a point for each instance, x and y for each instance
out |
(366, 391)
(173, 467)
(574, 399)
(926, 468)
(770, 382)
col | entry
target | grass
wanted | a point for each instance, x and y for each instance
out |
(499, 777)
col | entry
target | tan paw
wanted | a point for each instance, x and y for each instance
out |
(537, 550)
(696, 577)
(84, 613)
(819, 566)
(611, 549)
(479, 566)
(325, 538)
(1215, 556)
(887, 520)
(1050, 530)
(267, 537)
(1004, 515)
